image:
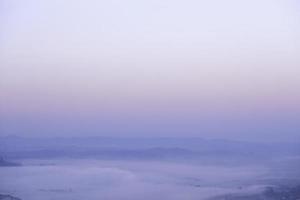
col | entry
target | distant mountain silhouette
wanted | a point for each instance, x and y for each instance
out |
(270, 193)
(4, 163)
(196, 149)
(8, 197)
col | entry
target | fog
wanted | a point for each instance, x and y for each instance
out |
(149, 100)
(91, 179)
(63, 169)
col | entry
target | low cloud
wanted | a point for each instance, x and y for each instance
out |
(115, 180)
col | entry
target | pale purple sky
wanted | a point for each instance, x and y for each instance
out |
(193, 68)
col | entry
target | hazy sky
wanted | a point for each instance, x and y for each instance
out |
(216, 69)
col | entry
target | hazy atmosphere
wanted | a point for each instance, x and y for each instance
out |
(217, 69)
(152, 100)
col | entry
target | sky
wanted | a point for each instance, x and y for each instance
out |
(160, 68)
